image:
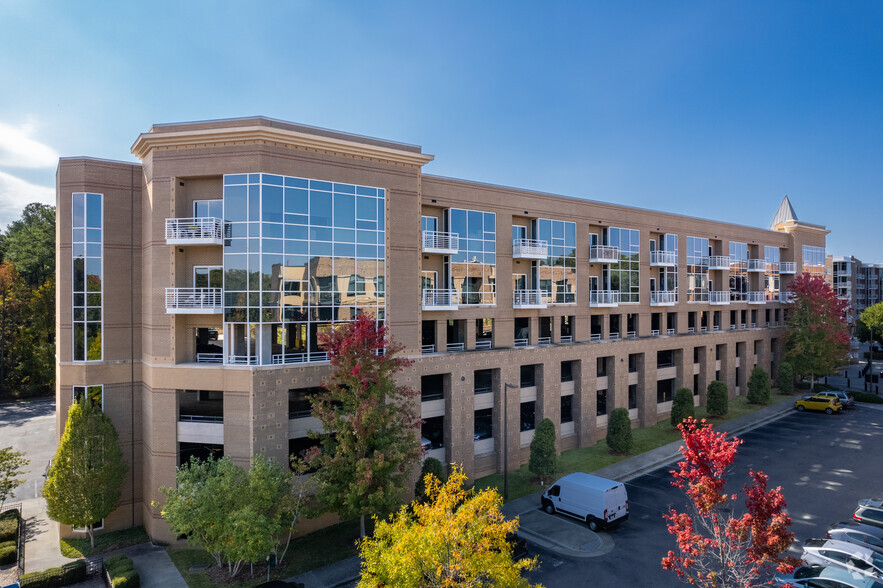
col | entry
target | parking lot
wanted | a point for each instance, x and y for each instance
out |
(823, 463)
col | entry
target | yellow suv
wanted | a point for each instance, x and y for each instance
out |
(829, 404)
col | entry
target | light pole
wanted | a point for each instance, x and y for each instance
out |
(506, 441)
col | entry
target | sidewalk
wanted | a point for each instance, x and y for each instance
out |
(346, 572)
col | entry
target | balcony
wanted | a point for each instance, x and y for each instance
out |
(529, 249)
(757, 297)
(663, 259)
(435, 299)
(528, 299)
(603, 254)
(438, 242)
(663, 298)
(719, 297)
(194, 301)
(786, 297)
(195, 231)
(719, 262)
(604, 298)
(757, 265)
(787, 267)
(285, 358)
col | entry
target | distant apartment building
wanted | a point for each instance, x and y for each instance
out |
(193, 286)
(857, 282)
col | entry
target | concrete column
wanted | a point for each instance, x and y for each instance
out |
(585, 386)
(460, 421)
(508, 399)
(618, 381)
(647, 391)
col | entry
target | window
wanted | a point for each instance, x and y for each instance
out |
(696, 351)
(96, 526)
(601, 367)
(665, 358)
(429, 223)
(528, 415)
(299, 405)
(697, 269)
(566, 371)
(208, 208)
(484, 381)
(527, 376)
(205, 276)
(601, 402)
(473, 267)
(567, 409)
(556, 275)
(94, 393)
(633, 362)
(738, 271)
(633, 396)
(484, 424)
(432, 387)
(432, 432)
(814, 260)
(625, 275)
(665, 390)
(87, 250)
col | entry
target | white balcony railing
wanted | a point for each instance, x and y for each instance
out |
(528, 299)
(426, 349)
(436, 299)
(520, 342)
(757, 297)
(439, 242)
(195, 231)
(604, 298)
(757, 265)
(529, 249)
(669, 331)
(663, 258)
(484, 344)
(566, 339)
(284, 358)
(194, 301)
(718, 262)
(209, 358)
(787, 267)
(786, 297)
(663, 298)
(719, 297)
(603, 254)
(544, 340)
(456, 347)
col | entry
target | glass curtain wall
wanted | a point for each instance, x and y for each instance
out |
(556, 275)
(697, 269)
(668, 276)
(301, 255)
(771, 276)
(87, 243)
(625, 275)
(738, 271)
(814, 260)
(473, 268)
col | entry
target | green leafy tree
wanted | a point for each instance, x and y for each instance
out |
(29, 243)
(371, 425)
(457, 538)
(682, 406)
(786, 378)
(543, 458)
(619, 431)
(758, 386)
(84, 481)
(872, 319)
(236, 515)
(817, 336)
(430, 466)
(718, 400)
(12, 464)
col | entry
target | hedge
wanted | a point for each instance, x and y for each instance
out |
(865, 397)
(7, 552)
(69, 573)
(718, 399)
(122, 572)
(682, 406)
(619, 431)
(9, 526)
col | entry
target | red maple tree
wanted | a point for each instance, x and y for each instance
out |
(715, 547)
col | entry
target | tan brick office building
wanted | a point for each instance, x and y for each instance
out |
(192, 288)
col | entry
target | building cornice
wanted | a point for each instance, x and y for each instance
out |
(218, 136)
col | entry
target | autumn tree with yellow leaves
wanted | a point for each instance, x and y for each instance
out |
(456, 538)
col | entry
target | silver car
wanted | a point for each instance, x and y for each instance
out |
(849, 556)
(845, 399)
(855, 532)
(827, 577)
(869, 512)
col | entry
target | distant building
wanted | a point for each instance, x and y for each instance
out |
(193, 286)
(857, 282)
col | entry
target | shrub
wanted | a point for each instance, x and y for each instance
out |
(430, 466)
(865, 397)
(68, 574)
(543, 459)
(718, 399)
(786, 378)
(130, 579)
(7, 552)
(619, 431)
(9, 526)
(682, 406)
(758, 386)
(122, 572)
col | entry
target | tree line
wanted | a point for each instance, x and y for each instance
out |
(27, 304)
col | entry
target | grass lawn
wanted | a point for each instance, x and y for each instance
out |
(307, 553)
(589, 459)
(80, 546)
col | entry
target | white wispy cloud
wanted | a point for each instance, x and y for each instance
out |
(16, 193)
(18, 149)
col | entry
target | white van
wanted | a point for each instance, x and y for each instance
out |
(599, 502)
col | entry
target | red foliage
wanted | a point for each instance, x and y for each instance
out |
(717, 549)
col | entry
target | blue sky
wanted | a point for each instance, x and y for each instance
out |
(711, 109)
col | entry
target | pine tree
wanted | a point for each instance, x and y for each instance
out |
(619, 431)
(718, 403)
(543, 459)
(83, 484)
(758, 386)
(682, 406)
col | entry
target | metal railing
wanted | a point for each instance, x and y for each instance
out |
(209, 358)
(527, 298)
(719, 296)
(484, 344)
(194, 298)
(691, 329)
(786, 296)
(669, 331)
(659, 297)
(483, 390)
(440, 240)
(787, 267)
(757, 265)
(614, 336)
(567, 338)
(520, 342)
(544, 341)
(200, 418)
(242, 360)
(283, 358)
(440, 297)
(595, 337)
(194, 229)
(455, 346)
(716, 328)
(703, 329)
(631, 334)
(742, 326)
(604, 298)
(654, 332)
(756, 297)
(530, 249)
(719, 262)
(428, 349)
(663, 258)
(604, 253)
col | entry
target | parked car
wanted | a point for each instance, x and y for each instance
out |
(852, 557)
(869, 512)
(826, 403)
(599, 502)
(855, 532)
(845, 399)
(827, 576)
